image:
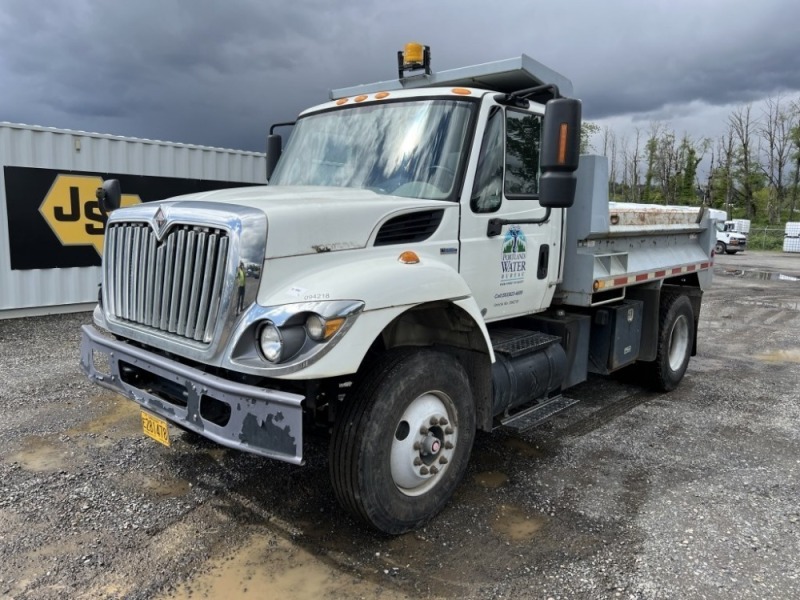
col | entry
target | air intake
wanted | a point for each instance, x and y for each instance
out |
(408, 228)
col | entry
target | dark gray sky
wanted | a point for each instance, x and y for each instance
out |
(218, 72)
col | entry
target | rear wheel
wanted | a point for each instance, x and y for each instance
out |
(675, 339)
(401, 446)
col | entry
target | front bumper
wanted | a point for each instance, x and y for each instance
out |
(236, 415)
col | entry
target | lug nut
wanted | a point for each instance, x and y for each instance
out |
(434, 470)
(417, 461)
(423, 430)
(417, 445)
(443, 421)
(423, 471)
(448, 446)
(449, 430)
(442, 460)
(434, 421)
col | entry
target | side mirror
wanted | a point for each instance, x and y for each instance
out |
(561, 142)
(274, 148)
(109, 196)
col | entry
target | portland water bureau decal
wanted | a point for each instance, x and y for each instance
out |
(513, 257)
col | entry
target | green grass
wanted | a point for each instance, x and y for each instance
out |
(765, 239)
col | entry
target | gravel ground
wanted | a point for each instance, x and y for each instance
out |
(629, 495)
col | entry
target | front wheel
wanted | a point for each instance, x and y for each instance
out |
(675, 339)
(401, 446)
(719, 248)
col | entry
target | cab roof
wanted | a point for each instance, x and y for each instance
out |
(505, 76)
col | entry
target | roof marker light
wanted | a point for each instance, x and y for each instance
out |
(381, 95)
(341, 101)
(461, 91)
(360, 98)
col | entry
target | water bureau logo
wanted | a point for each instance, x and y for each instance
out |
(512, 260)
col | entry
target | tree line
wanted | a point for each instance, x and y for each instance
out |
(753, 172)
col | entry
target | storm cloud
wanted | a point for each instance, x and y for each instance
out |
(218, 73)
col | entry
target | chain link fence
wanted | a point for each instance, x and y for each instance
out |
(763, 238)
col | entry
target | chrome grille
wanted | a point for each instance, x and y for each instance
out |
(173, 285)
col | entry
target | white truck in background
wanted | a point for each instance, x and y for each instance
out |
(428, 259)
(731, 235)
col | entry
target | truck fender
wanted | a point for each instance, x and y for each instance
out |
(389, 290)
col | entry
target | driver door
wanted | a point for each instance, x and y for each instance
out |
(512, 269)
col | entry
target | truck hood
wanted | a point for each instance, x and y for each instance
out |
(732, 235)
(308, 220)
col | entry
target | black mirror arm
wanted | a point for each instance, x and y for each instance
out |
(274, 125)
(495, 226)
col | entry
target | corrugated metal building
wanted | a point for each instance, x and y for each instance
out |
(51, 229)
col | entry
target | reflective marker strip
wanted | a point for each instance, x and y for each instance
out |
(604, 284)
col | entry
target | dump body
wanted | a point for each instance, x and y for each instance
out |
(612, 245)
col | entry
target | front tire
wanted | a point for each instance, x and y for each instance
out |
(401, 446)
(675, 340)
(719, 248)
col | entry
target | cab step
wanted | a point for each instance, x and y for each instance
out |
(538, 414)
(517, 342)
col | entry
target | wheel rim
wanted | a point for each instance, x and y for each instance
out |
(423, 444)
(678, 342)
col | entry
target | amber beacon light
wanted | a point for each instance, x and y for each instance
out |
(413, 57)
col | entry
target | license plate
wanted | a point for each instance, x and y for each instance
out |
(155, 428)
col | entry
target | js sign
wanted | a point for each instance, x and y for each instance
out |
(71, 210)
(54, 220)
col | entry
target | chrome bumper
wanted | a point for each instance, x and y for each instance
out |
(237, 415)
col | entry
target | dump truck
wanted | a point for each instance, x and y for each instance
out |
(431, 257)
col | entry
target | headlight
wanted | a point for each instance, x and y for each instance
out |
(270, 342)
(320, 329)
(315, 326)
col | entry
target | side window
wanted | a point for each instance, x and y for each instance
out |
(523, 140)
(488, 190)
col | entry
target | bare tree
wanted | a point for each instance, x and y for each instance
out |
(775, 129)
(795, 136)
(743, 127)
(633, 168)
(609, 140)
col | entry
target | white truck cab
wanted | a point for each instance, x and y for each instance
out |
(429, 258)
(728, 239)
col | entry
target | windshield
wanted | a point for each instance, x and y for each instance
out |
(410, 149)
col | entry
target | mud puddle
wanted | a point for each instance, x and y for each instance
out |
(270, 567)
(753, 274)
(120, 418)
(523, 448)
(41, 454)
(171, 487)
(781, 356)
(514, 524)
(491, 479)
(58, 452)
